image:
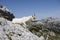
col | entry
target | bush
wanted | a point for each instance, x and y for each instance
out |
(0, 23)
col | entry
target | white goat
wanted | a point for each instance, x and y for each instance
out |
(23, 20)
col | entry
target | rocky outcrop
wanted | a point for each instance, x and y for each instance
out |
(46, 29)
(6, 13)
(9, 31)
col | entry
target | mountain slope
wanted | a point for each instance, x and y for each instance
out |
(9, 31)
(44, 29)
(49, 28)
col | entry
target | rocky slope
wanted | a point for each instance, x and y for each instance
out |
(44, 29)
(49, 28)
(9, 31)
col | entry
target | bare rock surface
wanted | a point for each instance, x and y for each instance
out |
(9, 31)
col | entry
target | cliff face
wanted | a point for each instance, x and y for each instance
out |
(6, 13)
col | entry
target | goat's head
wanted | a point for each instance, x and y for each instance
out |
(33, 17)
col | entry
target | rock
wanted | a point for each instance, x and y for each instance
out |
(6, 13)
(9, 31)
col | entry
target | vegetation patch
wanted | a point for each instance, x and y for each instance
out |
(0, 23)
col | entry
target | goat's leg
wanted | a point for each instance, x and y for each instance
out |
(25, 26)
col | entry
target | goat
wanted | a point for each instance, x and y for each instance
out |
(23, 20)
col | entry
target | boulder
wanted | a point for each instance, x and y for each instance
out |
(5, 13)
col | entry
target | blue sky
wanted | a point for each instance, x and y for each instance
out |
(42, 8)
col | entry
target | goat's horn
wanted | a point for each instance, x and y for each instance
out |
(34, 14)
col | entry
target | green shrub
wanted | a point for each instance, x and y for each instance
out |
(0, 15)
(0, 23)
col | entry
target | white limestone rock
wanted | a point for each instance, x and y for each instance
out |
(9, 31)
